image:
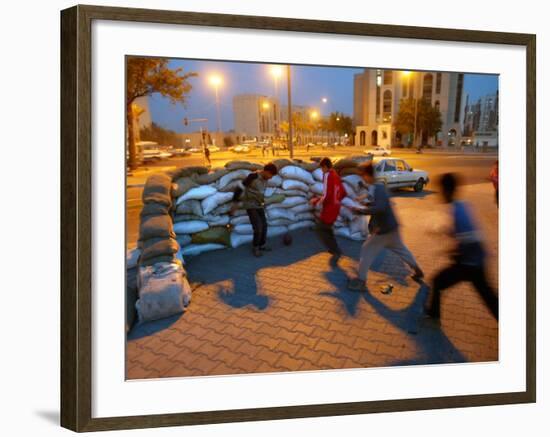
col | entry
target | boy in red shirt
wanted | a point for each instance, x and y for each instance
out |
(330, 201)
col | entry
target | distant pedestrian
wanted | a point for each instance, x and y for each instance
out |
(252, 198)
(494, 179)
(330, 202)
(468, 254)
(384, 233)
(207, 155)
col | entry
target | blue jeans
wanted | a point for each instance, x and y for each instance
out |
(259, 225)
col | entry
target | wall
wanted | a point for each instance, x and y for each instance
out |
(30, 256)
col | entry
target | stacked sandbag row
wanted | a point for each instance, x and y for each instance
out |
(163, 289)
(203, 200)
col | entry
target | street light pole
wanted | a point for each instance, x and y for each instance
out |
(218, 109)
(289, 102)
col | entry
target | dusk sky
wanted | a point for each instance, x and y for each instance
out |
(309, 85)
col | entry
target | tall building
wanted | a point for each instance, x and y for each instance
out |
(482, 115)
(377, 96)
(256, 116)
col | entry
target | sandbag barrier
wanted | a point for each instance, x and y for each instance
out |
(194, 218)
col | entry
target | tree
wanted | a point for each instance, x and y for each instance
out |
(145, 76)
(428, 118)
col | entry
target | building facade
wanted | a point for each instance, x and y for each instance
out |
(481, 121)
(256, 116)
(377, 96)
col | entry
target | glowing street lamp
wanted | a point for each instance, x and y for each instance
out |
(216, 81)
(324, 100)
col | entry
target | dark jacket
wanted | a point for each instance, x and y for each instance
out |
(382, 219)
(252, 196)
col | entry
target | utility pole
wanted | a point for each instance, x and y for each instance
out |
(289, 97)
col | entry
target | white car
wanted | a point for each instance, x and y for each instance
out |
(213, 149)
(379, 151)
(241, 148)
(396, 173)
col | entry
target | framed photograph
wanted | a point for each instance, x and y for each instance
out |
(268, 218)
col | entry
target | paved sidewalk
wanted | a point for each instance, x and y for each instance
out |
(290, 310)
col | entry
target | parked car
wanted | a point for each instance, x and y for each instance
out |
(180, 152)
(379, 151)
(213, 148)
(195, 150)
(240, 148)
(396, 173)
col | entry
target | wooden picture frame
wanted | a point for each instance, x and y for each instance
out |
(76, 217)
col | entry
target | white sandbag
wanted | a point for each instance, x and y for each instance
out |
(355, 181)
(132, 258)
(342, 231)
(240, 239)
(217, 220)
(183, 239)
(275, 181)
(273, 231)
(317, 174)
(290, 202)
(244, 229)
(243, 219)
(294, 172)
(359, 225)
(350, 191)
(350, 203)
(196, 249)
(280, 222)
(162, 292)
(301, 225)
(346, 213)
(189, 207)
(278, 213)
(197, 193)
(305, 216)
(293, 184)
(232, 186)
(215, 200)
(358, 236)
(317, 188)
(269, 191)
(293, 193)
(230, 177)
(190, 227)
(302, 207)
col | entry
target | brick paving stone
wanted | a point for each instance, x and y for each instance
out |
(290, 310)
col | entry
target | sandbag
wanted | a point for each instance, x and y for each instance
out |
(278, 213)
(210, 177)
(190, 207)
(240, 239)
(183, 185)
(243, 219)
(273, 231)
(359, 224)
(294, 184)
(161, 259)
(224, 209)
(296, 173)
(190, 227)
(280, 222)
(156, 247)
(217, 220)
(292, 193)
(186, 217)
(132, 258)
(161, 291)
(273, 199)
(158, 188)
(243, 165)
(305, 216)
(350, 203)
(350, 171)
(217, 234)
(197, 193)
(282, 163)
(230, 177)
(243, 228)
(301, 225)
(275, 181)
(156, 226)
(300, 208)
(350, 191)
(290, 202)
(317, 188)
(232, 186)
(189, 171)
(309, 166)
(345, 163)
(355, 181)
(154, 208)
(197, 249)
(317, 175)
(346, 213)
(212, 202)
(183, 240)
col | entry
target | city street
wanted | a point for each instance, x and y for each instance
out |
(290, 310)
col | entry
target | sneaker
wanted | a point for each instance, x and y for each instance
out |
(357, 285)
(266, 249)
(256, 252)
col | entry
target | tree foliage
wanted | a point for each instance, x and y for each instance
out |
(146, 76)
(428, 118)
